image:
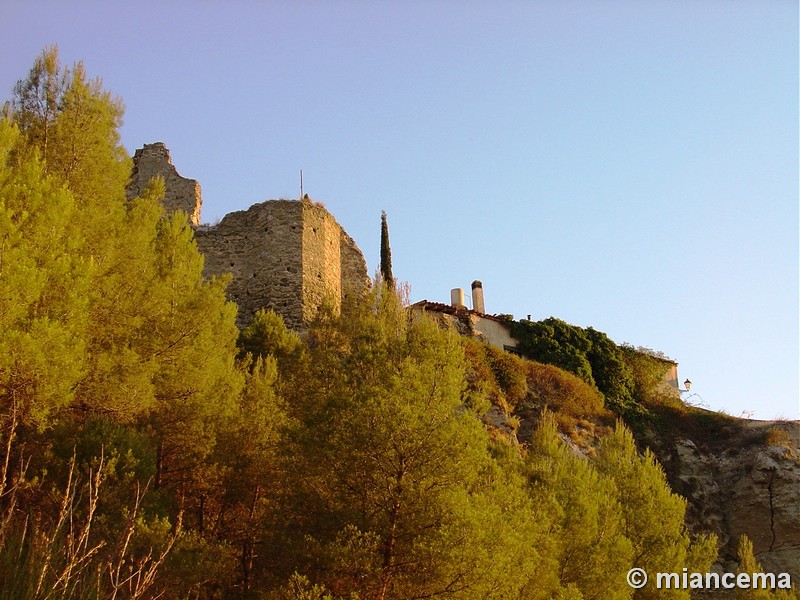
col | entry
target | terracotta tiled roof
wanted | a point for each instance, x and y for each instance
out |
(449, 309)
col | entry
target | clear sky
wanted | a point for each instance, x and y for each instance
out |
(626, 165)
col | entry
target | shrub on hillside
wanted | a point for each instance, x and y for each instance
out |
(562, 392)
(495, 374)
(509, 372)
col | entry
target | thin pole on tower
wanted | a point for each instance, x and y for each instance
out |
(301, 184)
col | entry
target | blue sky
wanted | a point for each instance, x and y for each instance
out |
(626, 165)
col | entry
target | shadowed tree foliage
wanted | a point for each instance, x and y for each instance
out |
(611, 373)
(555, 342)
(589, 354)
(386, 253)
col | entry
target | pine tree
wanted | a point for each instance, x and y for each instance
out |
(591, 548)
(248, 484)
(749, 565)
(43, 302)
(74, 124)
(159, 340)
(386, 253)
(399, 496)
(653, 515)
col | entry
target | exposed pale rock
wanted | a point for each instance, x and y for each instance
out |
(751, 489)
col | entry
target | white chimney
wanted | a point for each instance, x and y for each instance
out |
(477, 297)
(457, 297)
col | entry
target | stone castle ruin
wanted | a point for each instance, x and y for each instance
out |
(181, 193)
(288, 255)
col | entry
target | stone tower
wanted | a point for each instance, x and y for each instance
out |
(288, 255)
(182, 194)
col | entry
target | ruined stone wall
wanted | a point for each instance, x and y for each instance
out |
(355, 281)
(181, 193)
(261, 247)
(287, 255)
(322, 262)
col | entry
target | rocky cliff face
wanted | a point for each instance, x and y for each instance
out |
(743, 479)
(739, 477)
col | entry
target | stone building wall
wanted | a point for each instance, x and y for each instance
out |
(287, 255)
(355, 280)
(486, 328)
(183, 194)
(322, 261)
(261, 248)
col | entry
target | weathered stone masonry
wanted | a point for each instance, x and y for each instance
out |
(288, 255)
(182, 194)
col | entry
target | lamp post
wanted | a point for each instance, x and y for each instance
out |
(688, 386)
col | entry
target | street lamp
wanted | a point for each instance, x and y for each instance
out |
(688, 386)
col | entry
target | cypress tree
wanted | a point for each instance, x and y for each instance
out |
(386, 253)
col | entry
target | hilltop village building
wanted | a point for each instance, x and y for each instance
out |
(471, 322)
(496, 330)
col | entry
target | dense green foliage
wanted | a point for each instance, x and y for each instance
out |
(149, 449)
(627, 378)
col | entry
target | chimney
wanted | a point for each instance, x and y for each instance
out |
(477, 297)
(457, 297)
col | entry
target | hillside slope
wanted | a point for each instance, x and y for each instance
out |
(740, 477)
